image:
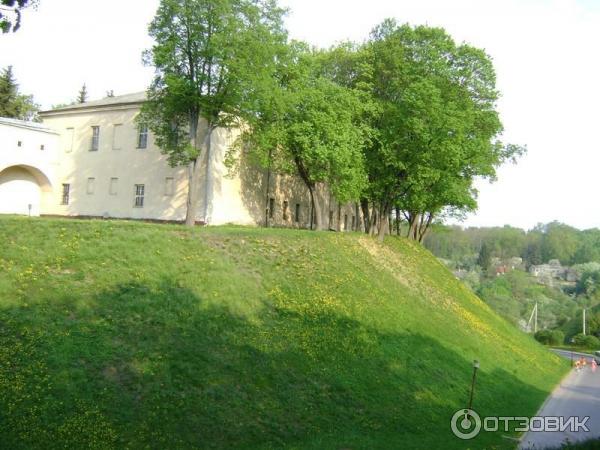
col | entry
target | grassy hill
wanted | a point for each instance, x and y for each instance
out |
(121, 334)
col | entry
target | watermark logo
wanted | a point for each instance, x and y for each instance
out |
(467, 424)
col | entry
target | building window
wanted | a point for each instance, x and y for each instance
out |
(297, 215)
(19, 143)
(139, 195)
(285, 210)
(90, 185)
(66, 190)
(69, 137)
(271, 208)
(114, 182)
(142, 136)
(169, 186)
(95, 138)
(117, 136)
(42, 147)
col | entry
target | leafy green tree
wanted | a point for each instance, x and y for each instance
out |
(213, 58)
(438, 125)
(550, 337)
(560, 242)
(484, 259)
(586, 341)
(10, 13)
(589, 283)
(532, 252)
(312, 128)
(13, 104)
(593, 323)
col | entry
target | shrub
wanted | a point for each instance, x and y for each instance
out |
(550, 337)
(587, 341)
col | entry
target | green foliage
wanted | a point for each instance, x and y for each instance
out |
(515, 294)
(13, 104)
(484, 260)
(10, 13)
(211, 59)
(437, 125)
(311, 127)
(589, 282)
(586, 341)
(129, 335)
(560, 242)
(537, 246)
(550, 337)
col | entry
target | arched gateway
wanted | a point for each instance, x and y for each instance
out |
(23, 190)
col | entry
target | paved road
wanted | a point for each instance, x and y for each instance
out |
(577, 396)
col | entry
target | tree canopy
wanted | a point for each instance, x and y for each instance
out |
(213, 58)
(13, 104)
(438, 126)
(312, 127)
(406, 121)
(10, 13)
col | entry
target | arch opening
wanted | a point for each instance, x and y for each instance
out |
(23, 190)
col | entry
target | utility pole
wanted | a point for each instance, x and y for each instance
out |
(534, 317)
(475, 367)
(584, 321)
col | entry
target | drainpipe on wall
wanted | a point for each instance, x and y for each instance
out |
(209, 176)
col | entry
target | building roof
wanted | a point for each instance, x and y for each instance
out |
(36, 126)
(118, 100)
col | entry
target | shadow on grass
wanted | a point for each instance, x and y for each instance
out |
(155, 366)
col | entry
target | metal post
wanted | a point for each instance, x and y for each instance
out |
(584, 321)
(475, 367)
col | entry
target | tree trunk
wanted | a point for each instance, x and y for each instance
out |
(316, 222)
(397, 221)
(318, 211)
(364, 205)
(413, 223)
(383, 222)
(373, 223)
(193, 174)
(192, 196)
(338, 226)
(268, 194)
(425, 226)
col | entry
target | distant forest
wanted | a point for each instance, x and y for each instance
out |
(543, 243)
(497, 263)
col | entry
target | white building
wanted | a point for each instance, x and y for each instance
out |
(28, 167)
(95, 160)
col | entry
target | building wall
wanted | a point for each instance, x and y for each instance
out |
(239, 197)
(28, 166)
(103, 181)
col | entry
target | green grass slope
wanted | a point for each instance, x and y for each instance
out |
(130, 335)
